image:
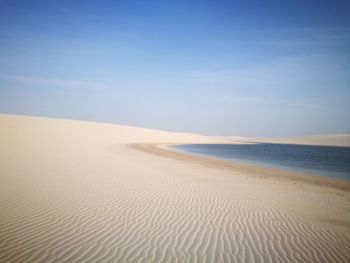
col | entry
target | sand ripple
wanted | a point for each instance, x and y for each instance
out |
(167, 221)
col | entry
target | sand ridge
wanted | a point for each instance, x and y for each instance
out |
(77, 192)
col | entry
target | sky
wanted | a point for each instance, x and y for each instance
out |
(220, 67)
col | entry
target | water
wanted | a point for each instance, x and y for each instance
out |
(320, 160)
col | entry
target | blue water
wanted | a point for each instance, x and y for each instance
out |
(320, 160)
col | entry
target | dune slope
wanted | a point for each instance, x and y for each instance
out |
(76, 192)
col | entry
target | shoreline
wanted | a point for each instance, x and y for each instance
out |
(161, 149)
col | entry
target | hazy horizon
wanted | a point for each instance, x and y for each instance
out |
(210, 67)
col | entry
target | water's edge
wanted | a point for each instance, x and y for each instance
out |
(328, 161)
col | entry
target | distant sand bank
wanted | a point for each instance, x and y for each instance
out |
(327, 140)
(76, 191)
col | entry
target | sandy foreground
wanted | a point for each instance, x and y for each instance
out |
(73, 191)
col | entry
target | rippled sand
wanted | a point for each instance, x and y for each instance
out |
(76, 192)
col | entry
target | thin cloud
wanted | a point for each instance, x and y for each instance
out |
(320, 41)
(309, 37)
(54, 82)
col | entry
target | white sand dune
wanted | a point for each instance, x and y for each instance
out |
(75, 191)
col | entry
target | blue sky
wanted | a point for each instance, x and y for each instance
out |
(249, 68)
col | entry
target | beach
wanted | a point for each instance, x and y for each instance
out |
(75, 191)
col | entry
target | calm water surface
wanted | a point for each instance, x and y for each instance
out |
(321, 160)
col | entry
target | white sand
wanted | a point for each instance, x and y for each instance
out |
(330, 140)
(76, 192)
